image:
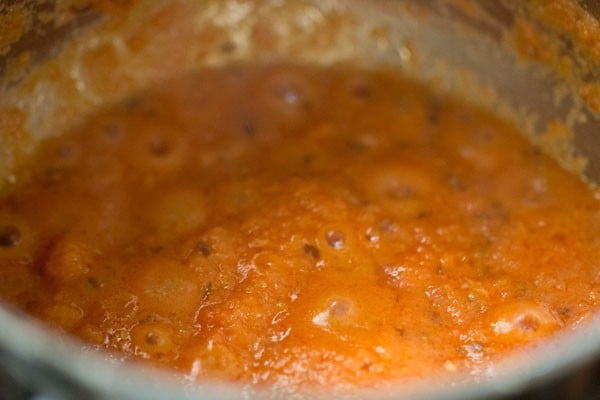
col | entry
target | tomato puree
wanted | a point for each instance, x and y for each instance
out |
(300, 226)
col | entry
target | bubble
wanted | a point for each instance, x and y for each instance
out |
(291, 96)
(523, 321)
(361, 90)
(339, 313)
(159, 146)
(153, 337)
(228, 47)
(249, 128)
(335, 239)
(10, 236)
(112, 131)
(312, 251)
(64, 152)
(205, 248)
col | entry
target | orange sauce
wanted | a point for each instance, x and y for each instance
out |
(299, 226)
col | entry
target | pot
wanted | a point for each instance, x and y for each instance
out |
(535, 63)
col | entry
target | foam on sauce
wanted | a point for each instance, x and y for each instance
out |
(299, 226)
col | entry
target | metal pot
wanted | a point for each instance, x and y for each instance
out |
(528, 61)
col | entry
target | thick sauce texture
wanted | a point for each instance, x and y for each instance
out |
(300, 226)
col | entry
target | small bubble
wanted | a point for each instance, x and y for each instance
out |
(340, 308)
(205, 248)
(487, 135)
(249, 128)
(357, 146)
(335, 239)
(64, 152)
(152, 338)
(387, 226)
(133, 103)
(52, 174)
(400, 331)
(93, 282)
(312, 251)
(155, 249)
(10, 236)
(564, 312)
(228, 47)
(112, 131)
(372, 236)
(308, 159)
(291, 96)
(363, 142)
(529, 323)
(159, 146)
(401, 192)
(457, 183)
(361, 90)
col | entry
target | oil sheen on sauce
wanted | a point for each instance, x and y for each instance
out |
(300, 226)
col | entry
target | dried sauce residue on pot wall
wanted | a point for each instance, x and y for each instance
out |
(133, 43)
(562, 35)
(559, 40)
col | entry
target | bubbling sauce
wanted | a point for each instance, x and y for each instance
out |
(300, 226)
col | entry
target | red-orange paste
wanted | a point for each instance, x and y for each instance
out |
(300, 226)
